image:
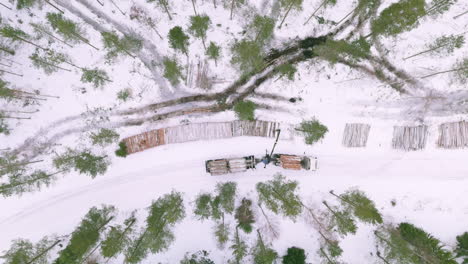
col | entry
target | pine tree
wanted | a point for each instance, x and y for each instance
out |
(288, 70)
(70, 30)
(263, 28)
(213, 52)
(221, 232)
(235, 4)
(245, 110)
(42, 31)
(86, 235)
(21, 4)
(104, 137)
(49, 61)
(178, 40)
(23, 251)
(15, 34)
(438, 7)
(335, 51)
(262, 254)
(313, 131)
(342, 219)
(244, 215)
(164, 5)
(203, 206)
(238, 247)
(443, 45)
(20, 183)
(395, 248)
(288, 5)
(95, 76)
(398, 17)
(461, 250)
(172, 71)
(247, 55)
(294, 255)
(199, 257)
(84, 161)
(199, 24)
(118, 238)
(115, 45)
(227, 193)
(279, 195)
(362, 207)
(460, 70)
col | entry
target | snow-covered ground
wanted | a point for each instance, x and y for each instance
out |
(429, 186)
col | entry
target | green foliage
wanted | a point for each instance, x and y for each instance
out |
(398, 18)
(245, 110)
(5, 92)
(164, 213)
(227, 194)
(247, 55)
(239, 248)
(262, 254)
(438, 7)
(20, 4)
(365, 8)
(104, 137)
(462, 247)
(198, 26)
(294, 255)
(425, 244)
(213, 51)
(279, 195)
(48, 61)
(203, 206)
(395, 247)
(199, 257)
(4, 128)
(20, 183)
(332, 249)
(178, 40)
(262, 27)
(446, 45)
(65, 27)
(221, 233)
(95, 76)
(116, 46)
(362, 207)
(7, 49)
(244, 215)
(22, 251)
(335, 51)
(342, 220)
(124, 95)
(118, 238)
(207, 206)
(172, 71)
(86, 235)
(85, 162)
(313, 131)
(288, 70)
(122, 151)
(461, 70)
(13, 33)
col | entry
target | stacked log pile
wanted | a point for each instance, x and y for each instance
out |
(409, 137)
(355, 135)
(453, 135)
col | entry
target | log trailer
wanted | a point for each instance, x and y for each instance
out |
(242, 164)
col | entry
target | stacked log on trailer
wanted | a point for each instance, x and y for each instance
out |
(355, 135)
(453, 135)
(200, 131)
(409, 137)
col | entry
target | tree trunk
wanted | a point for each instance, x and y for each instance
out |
(382, 258)
(203, 42)
(5, 6)
(232, 8)
(164, 3)
(12, 73)
(54, 6)
(7, 50)
(29, 42)
(441, 72)
(84, 40)
(157, 32)
(326, 256)
(23, 163)
(116, 6)
(194, 9)
(53, 65)
(317, 9)
(101, 3)
(214, 3)
(285, 15)
(22, 112)
(273, 230)
(43, 252)
(426, 51)
(347, 15)
(122, 235)
(339, 197)
(54, 37)
(457, 16)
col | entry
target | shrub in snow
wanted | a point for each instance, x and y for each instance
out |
(245, 110)
(122, 151)
(172, 70)
(313, 131)
(213, 52)
(85, 162)
(462, 247)
(247, 55)
(178, 40)
(294, 255)
(104, 137)
(95, 76)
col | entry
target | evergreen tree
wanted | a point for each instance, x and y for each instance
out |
(438, 7)
(331, 251)
(461, 70)
(288, 70)
(164, 213)
(245, 110)
(462, 247)
(235, 4)
(122, 151)
(362, 207)
(118, 238)
(178, 40)
(164, 5)
(244, 215)
(41, 31)
(221, 233)
(262, 254)
(199, 257)
(279, 195)
(294, 255)
(213, 52)
(343, 220)
(116, 46)
(104, 137)
(96, 77)
(227, 193)
(398, 18)
(288, 5)
(85, 162)
(20, 183)
(198, 26)
(443, 46)
(21, 4)
(70, 30)
(49, 61)
(247, 55)
(239, 248)
(396, 249)
(335, 51)
(23, 251)
(313, 131)
(4, 128)
(172, 71)
(262, 27)
(86, 235)
(203, 206)
(15, 35)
